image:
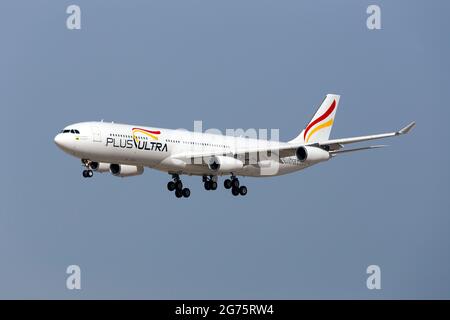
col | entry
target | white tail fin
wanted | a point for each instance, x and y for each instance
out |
(319, 128)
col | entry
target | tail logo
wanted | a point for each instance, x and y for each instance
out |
(308, 132)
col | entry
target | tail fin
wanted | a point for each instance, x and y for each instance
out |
(319, 128)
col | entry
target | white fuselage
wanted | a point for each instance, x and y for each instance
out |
(124, 150)
(159, 148)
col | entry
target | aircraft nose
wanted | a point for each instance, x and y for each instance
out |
(64, 142)
(59, 140)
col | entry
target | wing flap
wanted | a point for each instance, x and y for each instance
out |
(357, 149)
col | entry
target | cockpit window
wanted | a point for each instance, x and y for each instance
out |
(73, 131)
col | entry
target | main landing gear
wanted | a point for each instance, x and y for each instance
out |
(235, 187)
(88, 173)
(177, 186)
(210, 183)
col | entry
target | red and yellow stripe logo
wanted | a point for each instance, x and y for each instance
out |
(149, 133)
(308, 132)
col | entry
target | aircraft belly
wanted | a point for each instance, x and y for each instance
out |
(270, 171)
(249, 171)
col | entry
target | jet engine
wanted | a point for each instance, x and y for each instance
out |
(124, 170)
(311, 154)
(224, 164)
(99, 166)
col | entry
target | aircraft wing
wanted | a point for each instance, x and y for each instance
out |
(336, 144)
(289, 149)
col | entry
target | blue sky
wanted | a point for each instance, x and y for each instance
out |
(231, 64)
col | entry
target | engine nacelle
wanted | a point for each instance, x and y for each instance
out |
(124, 170)
(99, 166)
(224, 164)
(311, 154)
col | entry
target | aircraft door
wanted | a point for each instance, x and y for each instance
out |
(96, 134)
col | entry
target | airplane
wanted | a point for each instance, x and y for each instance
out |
(124, 150)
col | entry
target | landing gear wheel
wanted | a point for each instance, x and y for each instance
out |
(235, 183)
(207, 185)
(227, 184)
(171, 186)
(179, 185)
(243, 190)
(235, 191)
(88, 173)
(178, 193)
(186, 192)
(213, 185)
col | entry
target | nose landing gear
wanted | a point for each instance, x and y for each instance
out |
(87, 173)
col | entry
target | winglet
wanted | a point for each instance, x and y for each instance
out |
(406, 129)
